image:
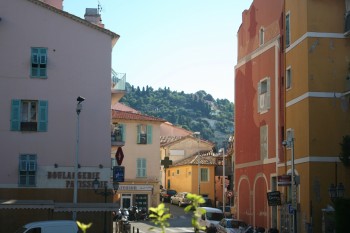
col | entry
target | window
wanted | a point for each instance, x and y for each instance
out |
(27, 170)
(38, 63)
(261, 36)
(264, 95)
(288, 78)
(263, 142)
(204, 174)
(118, 133)
(144, 134)
(141, 167)
(287, 29)
(29, 115)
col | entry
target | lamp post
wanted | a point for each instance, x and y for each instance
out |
(198, 134)
(336, 191)
(222, 150)
(289, 143)
(104, 193)
(80, 99)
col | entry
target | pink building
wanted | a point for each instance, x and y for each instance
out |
(48, 58)
(258, 120)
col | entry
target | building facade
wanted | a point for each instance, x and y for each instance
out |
(137, 137)
(258, 112)
(48, 61)
(316, 106)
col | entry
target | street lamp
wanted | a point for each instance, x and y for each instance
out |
(222, 150)
(80, 99)
(105, 193)
(198, 134)
(336, 191)
(289, 143)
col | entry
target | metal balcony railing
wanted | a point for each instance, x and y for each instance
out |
(118, 81)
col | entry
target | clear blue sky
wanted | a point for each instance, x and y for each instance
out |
(187, 45)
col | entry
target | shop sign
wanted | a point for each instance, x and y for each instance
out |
(284, 180)
(274, 198)
(135, 187)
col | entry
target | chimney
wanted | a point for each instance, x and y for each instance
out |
(55, 3)
(92, 15)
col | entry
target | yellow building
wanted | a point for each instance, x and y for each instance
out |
(317, 115)
(183, 175)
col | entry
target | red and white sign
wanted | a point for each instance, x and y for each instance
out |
(119, 156)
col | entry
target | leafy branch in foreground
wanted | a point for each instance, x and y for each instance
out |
(83, 226)
(159, 216)
(196, 200)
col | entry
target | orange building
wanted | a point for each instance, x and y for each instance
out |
(258, 115)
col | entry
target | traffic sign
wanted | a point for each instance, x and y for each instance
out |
(119, 156)
(118, 173)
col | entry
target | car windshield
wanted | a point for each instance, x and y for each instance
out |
(215, 216)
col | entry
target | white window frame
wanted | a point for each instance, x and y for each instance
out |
(261, 36)
(264, 92)
(289, 77)
(288, 31)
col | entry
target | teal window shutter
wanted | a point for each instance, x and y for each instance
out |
(141, 167)
(122, 127)
(42, 116)
(39, 63)
(138, 133)
(149, 134)
(16, 115)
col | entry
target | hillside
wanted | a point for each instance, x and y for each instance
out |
(194, 112)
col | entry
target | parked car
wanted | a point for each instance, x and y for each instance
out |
(230, 225)
(210, 218)
(165, 195)
(54, 226)
(227, 212)
(180, 199)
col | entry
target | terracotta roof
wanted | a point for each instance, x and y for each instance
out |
(205, 158)
(116, 114)
(114, 36)
(124, 108)
(165, 140)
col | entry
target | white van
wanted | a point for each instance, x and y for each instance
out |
(210, 218)
(54, 226)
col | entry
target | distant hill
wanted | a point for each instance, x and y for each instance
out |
(194, 112)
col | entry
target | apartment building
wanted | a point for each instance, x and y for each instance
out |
(56, 94)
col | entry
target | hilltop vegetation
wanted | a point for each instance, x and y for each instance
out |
(194, 112)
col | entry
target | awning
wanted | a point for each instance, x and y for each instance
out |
(58, 207)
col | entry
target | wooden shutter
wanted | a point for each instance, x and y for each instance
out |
(16, 115)
(149, 134)
(42, 116)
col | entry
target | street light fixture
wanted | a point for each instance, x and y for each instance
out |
(105, 193)
(336, 191)
(80, 99)
(198, 134)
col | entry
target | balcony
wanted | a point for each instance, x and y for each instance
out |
(117, 139)
(118, 89)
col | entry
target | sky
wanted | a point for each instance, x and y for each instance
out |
(186, 45)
